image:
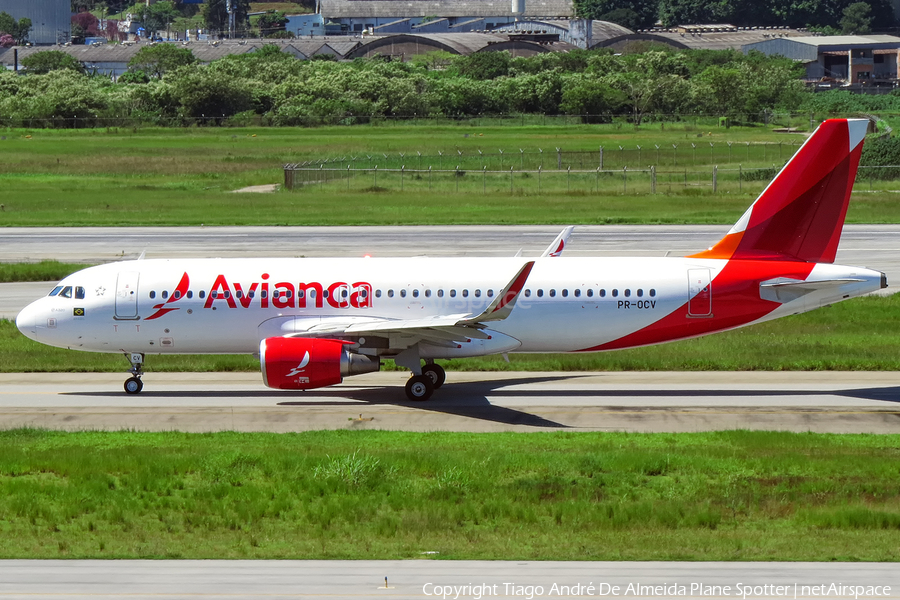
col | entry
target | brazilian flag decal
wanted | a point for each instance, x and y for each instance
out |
(79, 312)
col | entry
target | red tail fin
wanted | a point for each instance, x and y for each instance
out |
(799, 216)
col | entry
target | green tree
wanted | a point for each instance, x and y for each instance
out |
(207, 95)
(639, 13)
(157, 17)
(51, 60)
(271, 22)
(856, 19)
(215, 13)
(18, 30)
(160, 59)
(482, 66)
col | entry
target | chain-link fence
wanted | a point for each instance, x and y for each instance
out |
(482, 180)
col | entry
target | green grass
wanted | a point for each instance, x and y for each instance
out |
(186, 176)
(387, 495)
(859, 334)
(45, 270)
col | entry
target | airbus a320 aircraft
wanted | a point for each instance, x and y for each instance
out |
(315, 321)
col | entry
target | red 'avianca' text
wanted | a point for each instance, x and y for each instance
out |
(287, 294)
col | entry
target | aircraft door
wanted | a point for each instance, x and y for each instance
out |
(126, 296)
(699, 293)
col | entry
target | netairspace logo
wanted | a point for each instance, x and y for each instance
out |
(477, 591)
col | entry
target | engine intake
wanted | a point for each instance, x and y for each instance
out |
(305, 364)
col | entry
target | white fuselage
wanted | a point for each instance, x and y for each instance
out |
(568, 304)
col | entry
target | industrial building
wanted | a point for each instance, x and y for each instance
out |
(852, 59)
(51, 20)
(698, 37)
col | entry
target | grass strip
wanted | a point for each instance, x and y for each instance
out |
(859, 334)
(45, 270)
(185, 177)
(735, 495)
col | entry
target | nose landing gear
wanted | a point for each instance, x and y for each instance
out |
(134, 385)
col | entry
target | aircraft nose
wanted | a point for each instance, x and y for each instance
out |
(26, 321)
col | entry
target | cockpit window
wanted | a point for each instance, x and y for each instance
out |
(55, 290)
(66, 292)
(79, 293)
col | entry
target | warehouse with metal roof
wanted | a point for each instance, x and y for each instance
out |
(51, 20)
(854, 59)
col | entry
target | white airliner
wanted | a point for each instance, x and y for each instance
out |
(315, 321)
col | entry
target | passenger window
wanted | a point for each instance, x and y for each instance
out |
(540, 293)
(440, 293)
(615, 293)
(577, 293)
(478, 293)
(66, 292)
(453, 293)
(165, 295)
(490, 293)
(202, 294)
(177, 294)
(362, 294)
(590, 293)
(627, 293)
(378, 293)
(300, 293)
(640, 293)
(263, 294)
(553, 293)
(565, 293)
(250, 294)
(345, 292)
(603, 293)
(79, 293)
(528, 293)
(390, 293)
(57, 289)
(238, 294)
(403, 293)
(190, 294)
(152, 295)
(324, 294)
(428, 293)
(652, 293)
(465, 293)
(415, 293)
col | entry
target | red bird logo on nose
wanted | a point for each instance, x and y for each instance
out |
(177, 295)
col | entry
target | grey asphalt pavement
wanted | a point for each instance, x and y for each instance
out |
(851, 402)
(423, 579)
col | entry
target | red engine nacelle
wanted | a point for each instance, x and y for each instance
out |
(304, 364)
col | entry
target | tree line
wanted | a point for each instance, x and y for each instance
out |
(829, 16)
(166, 85)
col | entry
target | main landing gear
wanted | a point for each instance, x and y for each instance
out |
(134, 385)
(420, 387)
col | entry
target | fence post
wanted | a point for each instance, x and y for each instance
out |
(715, 178)
(740, 177)
(348, 178)
(653, 179)
(429, 178)
(402, 169)
(483, 174)
(558, 159)
(625, 179)
(375, 181)
(510, 180)
(569, 178)
(539, 179)
(457, 178)
(601, 157)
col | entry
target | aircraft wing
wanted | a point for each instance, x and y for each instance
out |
(440, 329)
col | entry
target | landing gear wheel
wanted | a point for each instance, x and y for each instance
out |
(437, 374)
(133, 385)
(419, 388)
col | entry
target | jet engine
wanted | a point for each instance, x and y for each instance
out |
(305, 364)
